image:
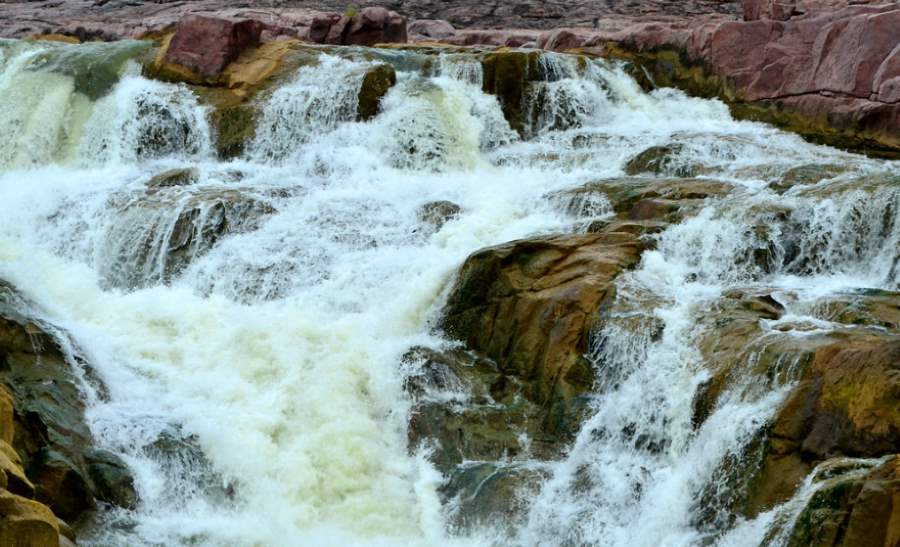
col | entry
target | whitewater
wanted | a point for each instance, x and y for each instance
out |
(270, 357)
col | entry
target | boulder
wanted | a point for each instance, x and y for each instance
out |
(203, 46)
(375, 85)
(531, 305)
(508, 75)
(559, 40)
(431, 29)
(492, 493)
(437, 213)
(829, 72)
(50, 439)
(370, 26)
(158, 232)
(842, 403)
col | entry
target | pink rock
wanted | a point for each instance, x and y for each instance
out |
(559, 40)
(852, 52)
(777, 10)
(206, 45)
(431, 28)
(887, 78)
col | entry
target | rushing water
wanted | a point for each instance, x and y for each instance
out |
(253, 377)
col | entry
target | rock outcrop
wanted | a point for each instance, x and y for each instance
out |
(372, 25)
(50, 466)
(831, 75)
(856, 505)
(202, 47)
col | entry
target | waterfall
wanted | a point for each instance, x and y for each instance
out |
(249, 317)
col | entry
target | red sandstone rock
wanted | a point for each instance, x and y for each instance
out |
(837, 68)
(206, 45)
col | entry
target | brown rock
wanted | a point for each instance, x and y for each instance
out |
(530, 305)
(26, 523)
(375, 25)
(854, 506)
(321, 27)
(205, 45)
(779, 10)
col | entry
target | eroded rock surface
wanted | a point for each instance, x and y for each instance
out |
(50, 465)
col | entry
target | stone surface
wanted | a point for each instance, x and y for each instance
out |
(829, 73)
(206, 45)
(433, 29)
(559, 40)
(372, 25)
(50, 441)
(26, 523)
(111, 19)
(856, 506)
(529, 305)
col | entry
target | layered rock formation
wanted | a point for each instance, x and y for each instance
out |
(51, 468)
(831, 75)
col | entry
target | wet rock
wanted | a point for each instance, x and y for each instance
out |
(438, 213)
(50, 441)
(159, 232)
(661, 160)
(508, 76)
(490, 493)
(26, 523)
(810, 174)
(174, 177)
(375, 85)
(635, 198)
(846, 404)
(112, 480)
(434, 29)
(61, 483)
(203, 46)
(855, 506)
(529, 305)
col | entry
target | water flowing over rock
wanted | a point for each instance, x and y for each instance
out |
(48, 455)
(434, 295)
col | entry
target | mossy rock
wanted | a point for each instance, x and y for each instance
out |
(662, 160)
(375, 85)
(508, 75)
(854, 506)
(234, 128)
(488, 494)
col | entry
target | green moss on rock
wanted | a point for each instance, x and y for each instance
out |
(375, 85)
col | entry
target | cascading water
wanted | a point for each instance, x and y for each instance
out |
(248, 323)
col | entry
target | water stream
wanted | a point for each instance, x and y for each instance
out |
(251, 353)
